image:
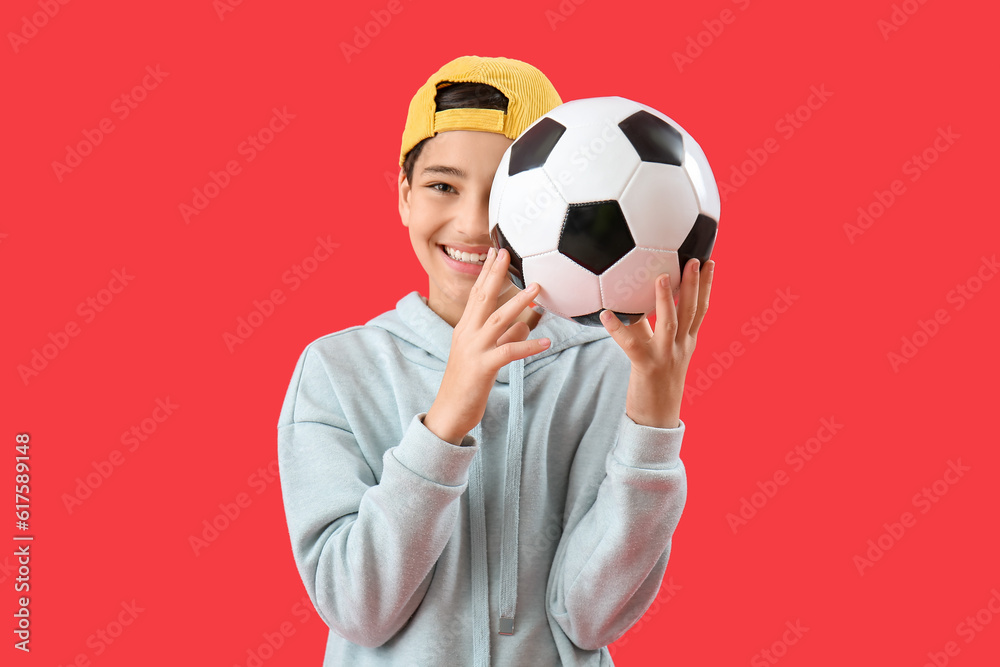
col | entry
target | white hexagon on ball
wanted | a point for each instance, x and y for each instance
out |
(660, 205)
(566, 288)
(528, 202)
(627, 287)
(578, 163)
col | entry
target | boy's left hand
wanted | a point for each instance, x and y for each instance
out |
(660, 360)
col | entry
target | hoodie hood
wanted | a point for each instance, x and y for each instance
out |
(414, 322)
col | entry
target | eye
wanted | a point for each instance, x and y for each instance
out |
(448, 188)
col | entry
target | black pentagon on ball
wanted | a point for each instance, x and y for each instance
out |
(515, 270)
(654, 139)
(594, 319)
(532, 148)
(595, 235)
(699, 242)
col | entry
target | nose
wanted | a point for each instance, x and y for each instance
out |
(473, 219)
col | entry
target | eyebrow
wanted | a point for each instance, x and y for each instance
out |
(444, 169)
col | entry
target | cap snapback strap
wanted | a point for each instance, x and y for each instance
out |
(486, 120)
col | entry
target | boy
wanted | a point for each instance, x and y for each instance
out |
(428, 453)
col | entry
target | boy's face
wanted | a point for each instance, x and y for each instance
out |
(447, 204)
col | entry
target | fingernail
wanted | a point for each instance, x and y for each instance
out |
(544, 342)
(665, 281)
(697, 266)
(489, 253)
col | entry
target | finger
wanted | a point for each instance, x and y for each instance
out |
(483, 295)
(519, 350)
(666, 313)
(642, 329)
(703, 294)
(688, 304)
(516, 305)
(497, 279)
(626, 337)
(516, 333)
(491, 258)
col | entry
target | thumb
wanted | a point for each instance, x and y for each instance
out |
(612, 325)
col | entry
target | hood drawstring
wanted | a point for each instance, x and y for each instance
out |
(508, 535)
(511, 501)
(480, 575)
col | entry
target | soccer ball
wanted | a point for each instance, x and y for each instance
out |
(596, 199)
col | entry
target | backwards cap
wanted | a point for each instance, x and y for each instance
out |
(529, 93)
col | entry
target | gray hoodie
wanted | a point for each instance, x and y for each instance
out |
(538, 541)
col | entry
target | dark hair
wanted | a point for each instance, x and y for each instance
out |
(458, 96)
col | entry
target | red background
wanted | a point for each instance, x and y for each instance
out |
(325, 175)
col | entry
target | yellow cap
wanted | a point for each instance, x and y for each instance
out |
(529, 93)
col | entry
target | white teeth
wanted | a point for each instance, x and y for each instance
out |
(473, 258)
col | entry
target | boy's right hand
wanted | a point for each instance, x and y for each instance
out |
(483, 342)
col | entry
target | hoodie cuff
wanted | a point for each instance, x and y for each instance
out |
(432, 458)
(642, 446)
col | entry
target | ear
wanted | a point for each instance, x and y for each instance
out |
(404, 198)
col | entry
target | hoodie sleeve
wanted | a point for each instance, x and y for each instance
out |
(614, 550)
(363, 547)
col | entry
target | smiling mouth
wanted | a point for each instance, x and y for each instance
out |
(473, 259)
